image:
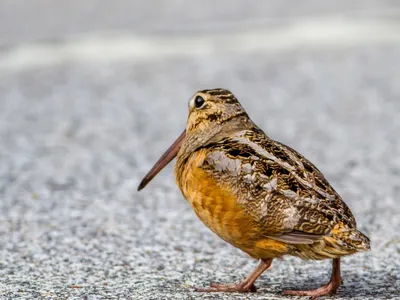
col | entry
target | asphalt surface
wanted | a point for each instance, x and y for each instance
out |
(80, 124)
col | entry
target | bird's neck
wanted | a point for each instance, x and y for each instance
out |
(196, 141)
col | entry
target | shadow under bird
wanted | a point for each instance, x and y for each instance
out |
(257, 194)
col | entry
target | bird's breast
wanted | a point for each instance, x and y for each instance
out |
(215, 203)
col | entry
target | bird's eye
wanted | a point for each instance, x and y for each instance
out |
(199, 102)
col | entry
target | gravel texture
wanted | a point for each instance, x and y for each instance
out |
(76, 139)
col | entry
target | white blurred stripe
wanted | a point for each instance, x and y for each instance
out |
(108, 48)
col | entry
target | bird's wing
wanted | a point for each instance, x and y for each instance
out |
(287, 195)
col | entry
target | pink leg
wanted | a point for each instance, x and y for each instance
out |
(245, 286)
(328, 289)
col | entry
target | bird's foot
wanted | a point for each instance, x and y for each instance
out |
(229, 288)
(245, 286)
(328, 289)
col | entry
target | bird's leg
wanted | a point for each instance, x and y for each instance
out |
(330, 288)
(244, 286)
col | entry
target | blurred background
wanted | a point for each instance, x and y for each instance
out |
(92, 92)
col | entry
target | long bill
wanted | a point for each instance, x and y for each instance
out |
(163, 161)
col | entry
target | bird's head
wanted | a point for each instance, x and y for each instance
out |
(211, 113)
(209, 110)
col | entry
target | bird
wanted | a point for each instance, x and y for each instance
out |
(257, 194)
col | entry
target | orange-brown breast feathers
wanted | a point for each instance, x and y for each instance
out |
(216, 205)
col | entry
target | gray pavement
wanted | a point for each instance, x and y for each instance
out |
(85, 113)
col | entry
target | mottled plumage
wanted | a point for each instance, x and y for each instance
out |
(258, 194)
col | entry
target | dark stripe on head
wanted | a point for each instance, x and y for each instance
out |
(240, 114)
(216, 92)
(221, 94)
(231, 99)
(212, 90)
(215, 116)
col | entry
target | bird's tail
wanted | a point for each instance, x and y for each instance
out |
(347, 238)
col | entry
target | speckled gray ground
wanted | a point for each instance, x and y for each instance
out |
(76, 139)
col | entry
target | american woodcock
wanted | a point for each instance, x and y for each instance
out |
(257, 194)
